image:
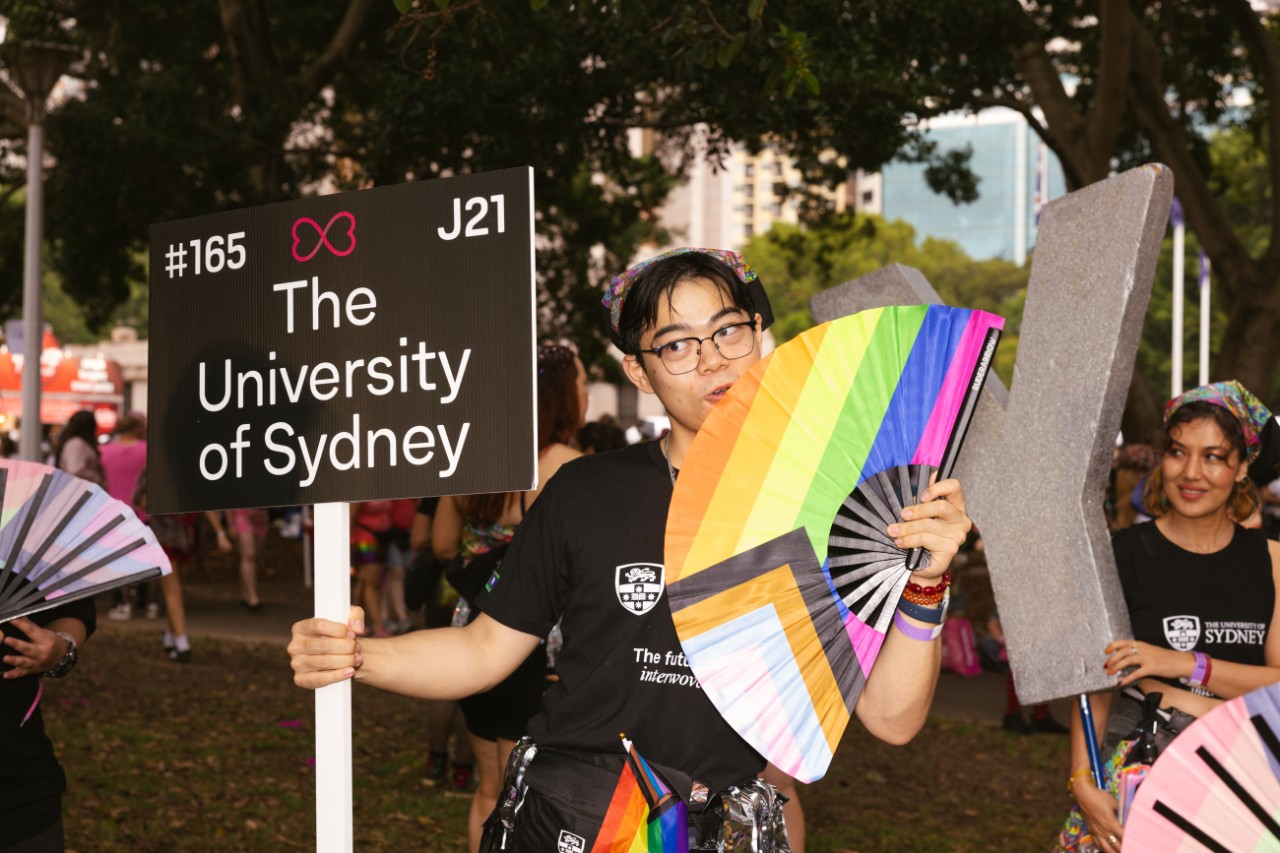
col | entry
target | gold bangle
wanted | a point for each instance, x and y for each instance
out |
(1074, 777)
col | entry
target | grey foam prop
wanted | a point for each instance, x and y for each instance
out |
(1036, 458)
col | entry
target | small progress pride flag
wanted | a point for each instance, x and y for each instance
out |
(644, 814)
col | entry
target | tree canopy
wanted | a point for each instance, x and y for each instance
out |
(797, 263)
(190, 111)
(1107, 84)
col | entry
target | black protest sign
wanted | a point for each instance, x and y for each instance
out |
(368, 345)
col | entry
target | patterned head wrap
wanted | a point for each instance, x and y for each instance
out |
(616, 294)
(1236, 399)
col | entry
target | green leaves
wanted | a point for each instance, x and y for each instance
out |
(403, 6)
(728, 52)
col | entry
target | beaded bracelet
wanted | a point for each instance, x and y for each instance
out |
(1075, 777)
(924, 635)
(924, 600)
(931, 590)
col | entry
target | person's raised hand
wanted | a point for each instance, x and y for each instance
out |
(938, 523)
(323, 652)
(40, 652)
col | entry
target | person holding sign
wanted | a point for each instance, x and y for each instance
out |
(690, 323)
(1201, 595)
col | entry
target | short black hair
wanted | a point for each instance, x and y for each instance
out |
(658, 281)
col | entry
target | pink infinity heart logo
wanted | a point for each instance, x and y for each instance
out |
(324, 236)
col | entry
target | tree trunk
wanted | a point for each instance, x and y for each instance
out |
(1143, 411)
(1251, 345)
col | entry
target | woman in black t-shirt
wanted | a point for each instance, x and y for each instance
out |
(471, 525)
(31, 779)
(1200, 590)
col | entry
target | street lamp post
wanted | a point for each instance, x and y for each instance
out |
(35, 70)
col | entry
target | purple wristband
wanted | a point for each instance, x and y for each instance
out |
(1200, 672)
(924, 635)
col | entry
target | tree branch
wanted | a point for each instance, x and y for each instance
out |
(1265, 54)
(13, 110)
(1042, 130)
(1012, 102)
(715, 22)
(247, 60)
(1070, 130)
(335, 53)
(1168, 139)
(1116, 23)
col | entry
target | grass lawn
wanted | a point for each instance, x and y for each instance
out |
(216, 755)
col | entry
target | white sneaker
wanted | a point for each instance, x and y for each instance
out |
(121, 612)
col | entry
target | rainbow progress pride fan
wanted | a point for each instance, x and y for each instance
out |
(63, 539)
(781, 580)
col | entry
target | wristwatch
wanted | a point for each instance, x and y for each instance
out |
(68, 660)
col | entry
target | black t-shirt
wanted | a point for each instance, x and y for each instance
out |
(1219, 603)
(29, 771)
(591, 548)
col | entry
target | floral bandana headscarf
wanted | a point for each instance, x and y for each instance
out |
(1236, 399)
(616, 294)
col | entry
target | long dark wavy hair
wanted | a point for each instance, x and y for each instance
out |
(80, 425)
(559, 414)
(1244, 500)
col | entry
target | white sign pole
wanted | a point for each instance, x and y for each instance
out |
(308, 534)
(1205, 278)
(333, 703)
(1179, 238)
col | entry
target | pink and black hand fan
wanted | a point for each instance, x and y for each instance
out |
(1217, 786)
(63, 539)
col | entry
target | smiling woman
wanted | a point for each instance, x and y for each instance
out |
(1201, 595)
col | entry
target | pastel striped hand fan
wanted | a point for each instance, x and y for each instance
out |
(1217, 786)
(63, 539)
(781, 580)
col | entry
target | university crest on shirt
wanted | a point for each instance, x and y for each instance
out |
(639, 586)
(570, 843)
(1182, 632)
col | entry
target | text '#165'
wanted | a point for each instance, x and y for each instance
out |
(211, 255)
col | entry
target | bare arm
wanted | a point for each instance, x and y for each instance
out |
(895, 701)
(446, 530)
(420, 532)
(220, 531)
(1100, 809)
(445, 663)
